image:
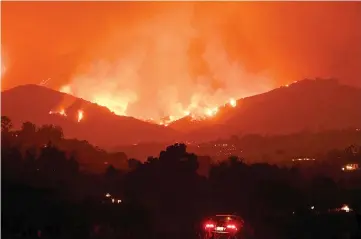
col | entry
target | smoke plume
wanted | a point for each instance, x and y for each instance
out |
(154, 59)
(172, 64)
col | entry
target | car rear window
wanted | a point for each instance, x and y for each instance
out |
(223, 219)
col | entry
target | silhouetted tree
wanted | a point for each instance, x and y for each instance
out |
(27, 134)
(234, 160)
(45, 189)
(133, 163)
(111, 171)
(28, 128)
(50, 133)
(30, 163)
(73, 166)
(6, 124)
(53, 162)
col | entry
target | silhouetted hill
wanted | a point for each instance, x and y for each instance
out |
(99, 126)
(305, 105)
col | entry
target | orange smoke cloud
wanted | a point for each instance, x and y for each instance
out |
(157, 60)
(2, 63)
(157, 75)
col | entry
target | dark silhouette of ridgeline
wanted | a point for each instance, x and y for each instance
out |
(307, 105)
(99, 126)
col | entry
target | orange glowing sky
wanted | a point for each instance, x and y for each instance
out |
(154, 59)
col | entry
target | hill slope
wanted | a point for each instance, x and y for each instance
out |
(99, 126)
(305, 105)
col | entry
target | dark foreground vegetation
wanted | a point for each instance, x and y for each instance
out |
(47, 194)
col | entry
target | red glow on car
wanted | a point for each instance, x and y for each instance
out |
(209, 225)
(231, 226)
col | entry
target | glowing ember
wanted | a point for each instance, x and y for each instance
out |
(211, 111)
(65, 89)
(346, 208)
(233, 102)
(60, 112)
(80, 115)
(350, 167)
(166, 121)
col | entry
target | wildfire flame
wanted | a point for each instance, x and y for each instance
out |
(211, 111)
(80, 115)
(346, 208)
(141, 81)
(233, 102)
(60, 112)
(194, 111)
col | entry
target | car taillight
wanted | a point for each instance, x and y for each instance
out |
(231, 226)
(209, 225)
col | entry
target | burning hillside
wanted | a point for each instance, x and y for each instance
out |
(62, 112)
(307, 105)
(169, 65)
(196, 111)
(199, 115)
(78, 118)
(164, 61)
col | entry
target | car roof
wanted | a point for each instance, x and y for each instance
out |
(226, 215)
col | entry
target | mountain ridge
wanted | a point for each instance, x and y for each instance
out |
(100, 126)
(288, 109)
(304, 105)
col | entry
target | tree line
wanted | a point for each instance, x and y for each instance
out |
(46, 194)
